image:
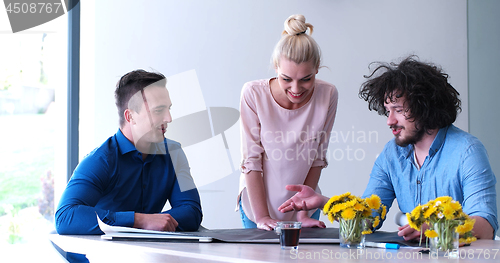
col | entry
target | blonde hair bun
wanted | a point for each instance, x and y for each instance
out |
(296, 25)
(295, 44)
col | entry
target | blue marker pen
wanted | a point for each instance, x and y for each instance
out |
(382, 245)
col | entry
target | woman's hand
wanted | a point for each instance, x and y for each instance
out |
(266, 223)
(303, 217)
(305, 199)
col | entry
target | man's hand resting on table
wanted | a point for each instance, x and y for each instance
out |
(158, 222)
(409, 233)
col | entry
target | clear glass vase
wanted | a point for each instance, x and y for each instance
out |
(350, 233)
(446, 243)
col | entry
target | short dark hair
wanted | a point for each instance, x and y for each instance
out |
(131, 83)
(431, 102)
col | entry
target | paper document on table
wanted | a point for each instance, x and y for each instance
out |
(121, 232)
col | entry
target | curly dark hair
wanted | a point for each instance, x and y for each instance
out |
(131, 83)
(431, 102)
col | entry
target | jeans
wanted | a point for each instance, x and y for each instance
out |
(247, 223)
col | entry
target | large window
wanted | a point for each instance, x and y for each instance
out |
(33, 83)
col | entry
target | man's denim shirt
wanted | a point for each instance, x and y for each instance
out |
(457, 166)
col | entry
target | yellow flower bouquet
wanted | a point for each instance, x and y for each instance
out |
(446, 222)
(355, 215)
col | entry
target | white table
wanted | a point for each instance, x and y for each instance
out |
(98, 250)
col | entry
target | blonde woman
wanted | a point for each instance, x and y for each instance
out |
(286, 124)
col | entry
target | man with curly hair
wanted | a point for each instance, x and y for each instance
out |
(429, 157)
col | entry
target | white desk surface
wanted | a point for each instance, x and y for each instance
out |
(99, 250)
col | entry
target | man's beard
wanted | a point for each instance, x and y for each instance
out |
(415, 136)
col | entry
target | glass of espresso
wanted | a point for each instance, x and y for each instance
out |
(289, 232)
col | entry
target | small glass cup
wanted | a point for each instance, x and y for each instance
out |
(289, 232)
(447, 241)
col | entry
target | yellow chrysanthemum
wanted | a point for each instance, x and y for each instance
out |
(470, 240)
(376, 221)
(384, 212)
(466, 227)
(347, 194)
(367, 213)
(331, 217)
(358, 207)
(366, 232)
(462, 216)
(348, 214)
(455, 205)
(448, 212)
(373, 202)
(460, 229)
(337, 208)
(416, 212)
(350, 203)
(443, 199)
(470, 222)
(348, 207)
(411, 222)
(408, 217)
(430, 211)
(345, 197)
(431, 233)
(330, 203)
(360, 201)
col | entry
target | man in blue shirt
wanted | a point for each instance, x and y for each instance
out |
(128, 179)
(428, 157)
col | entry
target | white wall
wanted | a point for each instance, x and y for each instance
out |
(484, 57)
(230, 42)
